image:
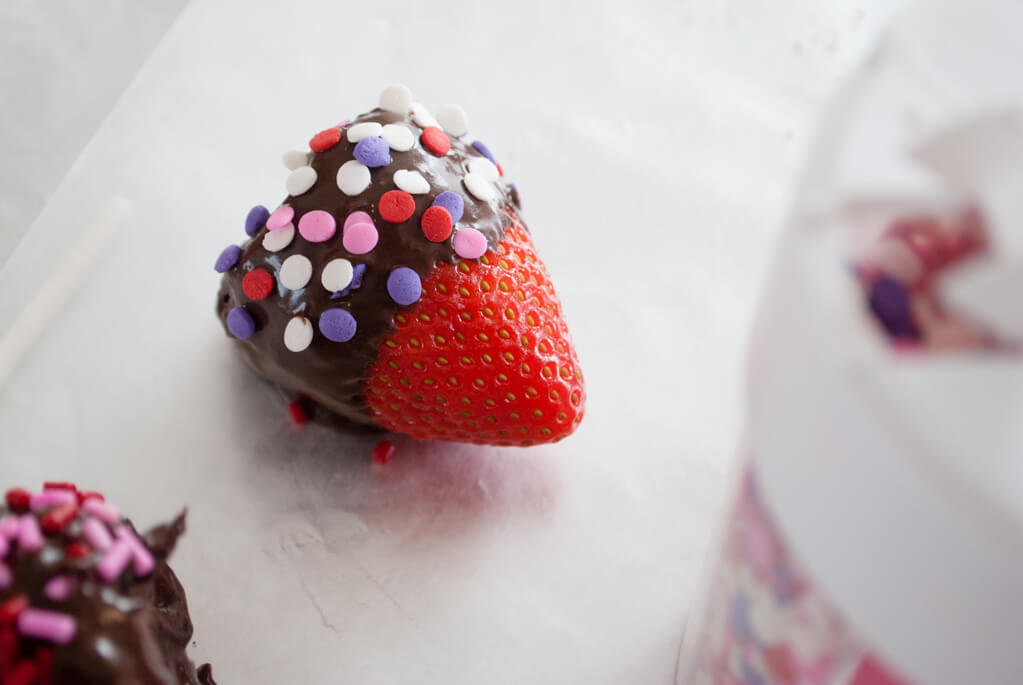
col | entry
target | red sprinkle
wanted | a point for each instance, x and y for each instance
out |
(77, 550)
(17, 499)
(436, 224)
(8, 646)
(500, 170)
(56, 519)
(325, 139)
(12, 608)
(23, 673)
(397, 206)
(44, 662)
(257, 284)
(297, 412)
(59, 485)
(383, 452)
(82, 496)
(435, 140)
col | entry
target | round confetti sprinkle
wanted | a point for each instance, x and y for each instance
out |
(373, 151)
(360, 238)
(257, 284)
(281, 217)
(482, 148)
(317, 226)
(275, 241)
(293, 159)
(399, 137)
(469, 243)
(421, 116)
(240, 323)
(396, 206)
(484, 168)
(481, 188)
(435, 140)
(338, 325)
(364, 130)
(453, 120)
(404, 286)
(396, 98)
(411, 182)
(256, 219)
(298, 334)
(452, 202)
(357, 218)
(295, 272)
(353, 177)
(337, 275)
(227, 259)
(300, 180)
(436, 224)
(325, 139)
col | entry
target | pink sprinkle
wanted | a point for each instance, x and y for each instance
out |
(9, 526)
(4, 546)
(343, 123)
(360, 238)
(30, 538)
(96, 533)
(59, 588)
(101, 510)
(280, 218)
(114, 561)
(469, 243)
(5, 576)
(143, 558)
(317, 226)
(51, 498)
(357, 218)
(46, 625)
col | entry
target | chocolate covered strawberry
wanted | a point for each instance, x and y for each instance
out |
(397, 287)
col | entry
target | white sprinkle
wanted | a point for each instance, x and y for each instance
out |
(364, 130)
(293, 159)
(337, 275)
(396, 98)
(298, 334)
(295, 272)
(481, 188)
(275, 241)
(422, 116)
(481, 166)
(411, 182)
(453, 120)
(301, 180)
(353, 177)
(400, 138)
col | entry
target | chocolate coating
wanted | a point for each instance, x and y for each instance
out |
(332, 374)
(132, 631)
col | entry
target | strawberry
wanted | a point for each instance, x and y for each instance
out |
(397, 287)
(483, 357)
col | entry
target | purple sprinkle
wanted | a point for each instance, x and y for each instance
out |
(889, 300)
(5, 576)
(256, 219)
(30, 538)
(227, 259)
(404, 286)
(59, 588)
(114, 560)
(373, 152)
(46, 625)
(338, 325)
(452, 202)
(240, 323)
(482, 148)
(357, 271)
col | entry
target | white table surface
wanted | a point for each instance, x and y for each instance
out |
(654, 146)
